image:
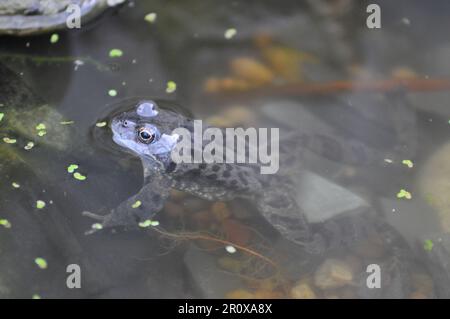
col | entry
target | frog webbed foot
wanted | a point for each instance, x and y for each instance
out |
(127, 216)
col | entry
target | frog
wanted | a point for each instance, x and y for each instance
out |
(147, 131)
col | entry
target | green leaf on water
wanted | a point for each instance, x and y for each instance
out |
(115, 53)
(148, 222)
(230, 33)
(15, 185)
(40, 204)
(137, 204)
(404, 194)
(112, 93)
(151, 17)
(36, 296)
(79, 176)
(428, 245)
(101, 124)
(66, 122)
(8, 140)
(42, 133)
(54, 38)
(29, 146)
(72, 168)
(5, 223)
(2, 115)
(408, 163)
(171, 87)
(97, 226)
(41, 262)
(41, 126)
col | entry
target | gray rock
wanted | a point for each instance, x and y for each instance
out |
(322, 199)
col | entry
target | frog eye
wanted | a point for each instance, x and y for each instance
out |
(125, 123)
(145, 135)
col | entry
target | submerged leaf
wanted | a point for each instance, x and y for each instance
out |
(428, 245)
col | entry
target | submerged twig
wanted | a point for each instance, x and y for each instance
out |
(200, 236)
(334, 87)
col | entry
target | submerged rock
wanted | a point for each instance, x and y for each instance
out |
(322, 199)
(333, 273)
(434, 184)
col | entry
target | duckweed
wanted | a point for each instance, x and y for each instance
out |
(41, 262)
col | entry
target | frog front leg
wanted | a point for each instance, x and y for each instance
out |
(140, 207)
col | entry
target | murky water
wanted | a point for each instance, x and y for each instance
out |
(240, 63)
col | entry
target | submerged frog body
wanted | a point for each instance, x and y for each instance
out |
(148, 132)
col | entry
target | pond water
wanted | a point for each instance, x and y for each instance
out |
(233, 64)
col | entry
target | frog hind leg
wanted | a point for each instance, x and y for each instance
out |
(281, 210)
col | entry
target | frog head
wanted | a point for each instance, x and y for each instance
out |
(147, 131)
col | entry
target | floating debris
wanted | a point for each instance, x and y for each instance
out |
(29, 146)
(151, 17)
(148, 223)
(40, 204)
(66, 122)
(101, 124)
(388, 160)
(171, 87)
(404, 194)
(35, 296)
(72, 168)
(41, 262)
(137, 204)
(408, 163)
(230, 249)
(115, 53)
(15, 185)
(79, 176)
(2, 115)
(112, 93)
(8, 140)
(428, 245)
(54, 38)
(5, 223)
(230, 33)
